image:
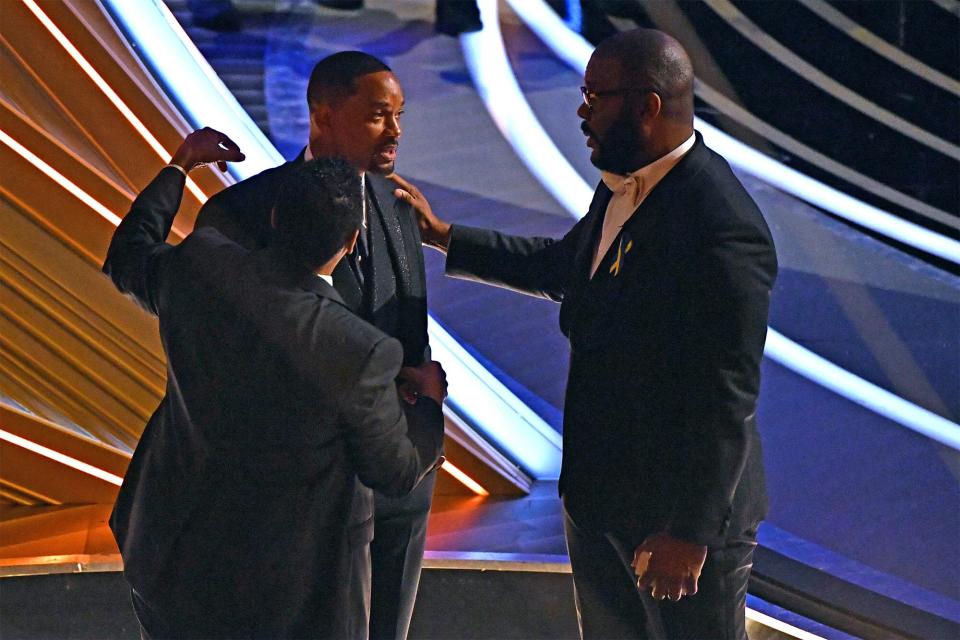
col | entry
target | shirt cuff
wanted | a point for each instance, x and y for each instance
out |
(178, 168)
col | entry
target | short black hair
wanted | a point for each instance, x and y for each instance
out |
(319, 207)
(333, 79)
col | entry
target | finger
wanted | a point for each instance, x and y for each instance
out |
(657, 590)
(641, 561)
(222, 166)
(403, 195)
(690, 585)
(645, 581)
(403, 184)
(231, 153)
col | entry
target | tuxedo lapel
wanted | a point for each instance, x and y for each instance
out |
(393, 235)
(589, 238)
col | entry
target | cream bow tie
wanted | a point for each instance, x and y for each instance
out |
(630, 187)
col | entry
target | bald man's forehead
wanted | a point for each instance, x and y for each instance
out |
(602, 73)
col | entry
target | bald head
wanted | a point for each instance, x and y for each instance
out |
(651, 58)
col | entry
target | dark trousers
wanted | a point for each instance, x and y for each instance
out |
(399, 538)
(175, 622)
(609, 605)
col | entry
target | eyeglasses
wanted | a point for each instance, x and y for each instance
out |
(590, 97)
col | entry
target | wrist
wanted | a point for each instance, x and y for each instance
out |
(440, 236)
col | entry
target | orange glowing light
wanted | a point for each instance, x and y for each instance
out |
(108, 91)
(469, 482)
(56, 456)
(59, 178)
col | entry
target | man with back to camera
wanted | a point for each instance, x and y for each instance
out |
(355, 106)
(243, 512)
(665, 288)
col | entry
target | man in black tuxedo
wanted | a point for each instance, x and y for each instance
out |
(665, 287)
(355, 107)
(245, 510)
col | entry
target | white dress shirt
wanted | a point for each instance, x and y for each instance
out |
(629, 191)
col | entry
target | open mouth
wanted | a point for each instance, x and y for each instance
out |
(387, 153)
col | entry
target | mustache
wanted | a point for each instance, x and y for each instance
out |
(393, 142)
(586, 130)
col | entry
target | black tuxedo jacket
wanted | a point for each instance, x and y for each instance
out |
(398, 301)
(666, 342)
(246, 493)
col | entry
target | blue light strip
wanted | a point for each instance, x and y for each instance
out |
(481, 400)
(575, 51)
(190, 82)
(509, 100)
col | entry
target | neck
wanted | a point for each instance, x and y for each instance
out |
(661, 147)
(326, 269)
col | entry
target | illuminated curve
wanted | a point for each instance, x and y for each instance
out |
(474, 394)
(487, 60)
(575, 51)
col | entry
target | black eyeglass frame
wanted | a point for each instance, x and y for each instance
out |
(590, 96)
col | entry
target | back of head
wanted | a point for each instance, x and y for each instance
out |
(319, 208)
(333, 78)
(652, 59)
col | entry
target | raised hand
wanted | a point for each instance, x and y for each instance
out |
(434, 232)
(668, 567)
(204, 146)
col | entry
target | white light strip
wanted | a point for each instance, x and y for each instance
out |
(59, 178)
(502, 417)
(476, 394)
(192, 83)
(778, 347)
(108, 91)
(782, 627)
(856, 389)
(487, 60)
(56, 456)
(575, 51)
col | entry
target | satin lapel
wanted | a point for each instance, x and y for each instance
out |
(571, 307)
(394, 236)
(590, 237)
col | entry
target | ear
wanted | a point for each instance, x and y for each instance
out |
(648, 106)
(320, 115)
(352, 243)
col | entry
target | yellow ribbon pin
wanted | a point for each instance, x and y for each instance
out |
(621, 251)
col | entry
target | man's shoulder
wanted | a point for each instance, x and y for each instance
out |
(242, 211)
(716, 192)
(260, 186)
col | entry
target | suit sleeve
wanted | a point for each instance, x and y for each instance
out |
(138, 251)
(723, 322)
(388, 456)
(540, 267)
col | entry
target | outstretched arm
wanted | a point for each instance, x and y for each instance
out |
(540, 267)
(138, 249)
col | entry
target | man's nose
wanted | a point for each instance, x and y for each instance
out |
(393, 127)
(583, 111)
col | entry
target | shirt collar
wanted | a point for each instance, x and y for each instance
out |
(646, 178)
